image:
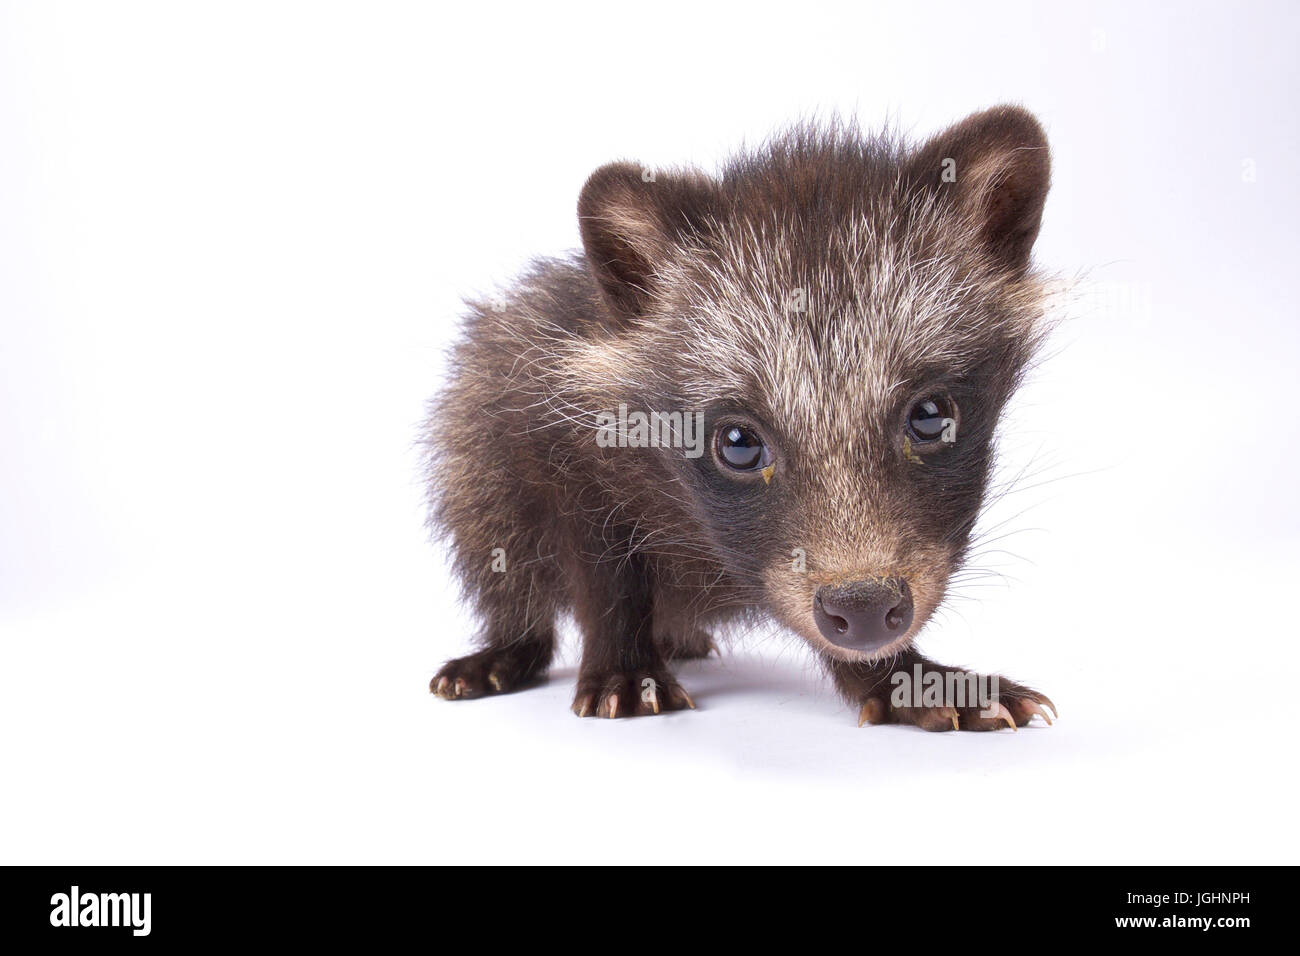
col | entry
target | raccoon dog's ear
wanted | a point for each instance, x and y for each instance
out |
(630, 218)
(997, 166)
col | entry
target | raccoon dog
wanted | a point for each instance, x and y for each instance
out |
(767, 393)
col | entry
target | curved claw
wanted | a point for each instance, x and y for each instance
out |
(1043, 699)
(613, 705)
(872, 712)
(951, 714)
(1033, 708)
(1005, 714)
(653, 699)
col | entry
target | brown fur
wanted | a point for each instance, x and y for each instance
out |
(816, 289)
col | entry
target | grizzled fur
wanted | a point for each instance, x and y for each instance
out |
(815, 289)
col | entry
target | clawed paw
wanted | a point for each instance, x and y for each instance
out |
(481, 674)
(1014, 708)
(630, 695)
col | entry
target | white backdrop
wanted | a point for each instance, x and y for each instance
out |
(233, 238)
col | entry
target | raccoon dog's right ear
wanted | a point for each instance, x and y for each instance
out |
(630, 218)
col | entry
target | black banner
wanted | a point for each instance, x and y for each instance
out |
(930, 907)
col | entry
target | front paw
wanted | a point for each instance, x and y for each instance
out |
(966, 702)
(491, 671)
(630, 694)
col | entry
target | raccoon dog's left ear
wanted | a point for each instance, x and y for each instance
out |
(997, 166)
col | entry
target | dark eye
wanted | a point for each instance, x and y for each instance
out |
(740, 448)
(928, 418)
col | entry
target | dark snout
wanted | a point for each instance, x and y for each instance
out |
(864, 615)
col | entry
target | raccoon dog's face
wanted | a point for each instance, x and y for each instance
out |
(849, 317)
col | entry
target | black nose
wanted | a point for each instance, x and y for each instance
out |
(864, 615)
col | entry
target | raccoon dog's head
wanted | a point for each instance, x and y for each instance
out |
(849, 315)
